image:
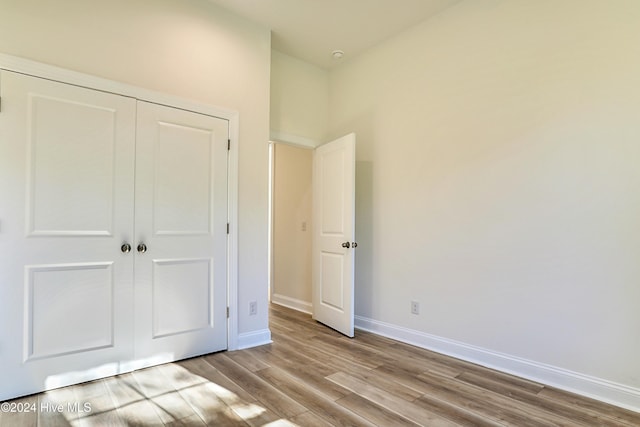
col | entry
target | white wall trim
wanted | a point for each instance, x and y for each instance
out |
(254, 339)
(37, 69)
(270, 220)
(286, 138)
(293, 303)
(596, 388)
(232, 242)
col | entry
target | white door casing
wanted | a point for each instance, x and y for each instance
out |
(333, 234)
(67, 302)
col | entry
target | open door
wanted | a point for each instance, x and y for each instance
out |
(333, 233)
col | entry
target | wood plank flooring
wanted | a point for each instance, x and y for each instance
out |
(313, 376)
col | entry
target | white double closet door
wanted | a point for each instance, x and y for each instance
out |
(83, 174)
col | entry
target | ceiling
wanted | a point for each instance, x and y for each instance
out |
(312, 29)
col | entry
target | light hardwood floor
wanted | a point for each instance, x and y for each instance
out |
(313, 376)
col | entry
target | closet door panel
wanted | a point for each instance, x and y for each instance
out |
(182, 183)
(181, 217)
(66, 186)
(181, 296)
(71, 146)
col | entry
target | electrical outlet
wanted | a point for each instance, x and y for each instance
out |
(415, 307)
(253, 308)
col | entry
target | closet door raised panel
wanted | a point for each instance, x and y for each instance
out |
(181, 216)
(66, 191)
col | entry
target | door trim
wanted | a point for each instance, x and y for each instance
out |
(298, 142)
(37, 69)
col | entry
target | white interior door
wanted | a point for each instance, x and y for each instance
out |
(333, 235)
(66, 197)
(181, 218)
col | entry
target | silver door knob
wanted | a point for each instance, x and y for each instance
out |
(125, 248)
(142, 248)
(346, 245)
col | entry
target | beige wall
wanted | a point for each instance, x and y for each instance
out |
(498, 178)
(299, 99)
(292, 226)
(187, 48)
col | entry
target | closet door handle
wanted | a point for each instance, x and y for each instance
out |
(142, 248)
(346, 245)
(125, 248)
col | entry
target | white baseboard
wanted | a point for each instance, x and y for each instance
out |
(585, 385)
(254, 339)
(295, 304)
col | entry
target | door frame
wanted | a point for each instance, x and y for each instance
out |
(36, 69)
(293, 141)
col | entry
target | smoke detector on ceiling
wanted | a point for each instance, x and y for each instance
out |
(337, 54)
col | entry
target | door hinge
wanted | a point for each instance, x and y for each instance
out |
(228, 144)
(227, 312)
(228, 228)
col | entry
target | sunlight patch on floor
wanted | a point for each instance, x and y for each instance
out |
(165, 393)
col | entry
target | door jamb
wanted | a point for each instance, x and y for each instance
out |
(294, 141)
